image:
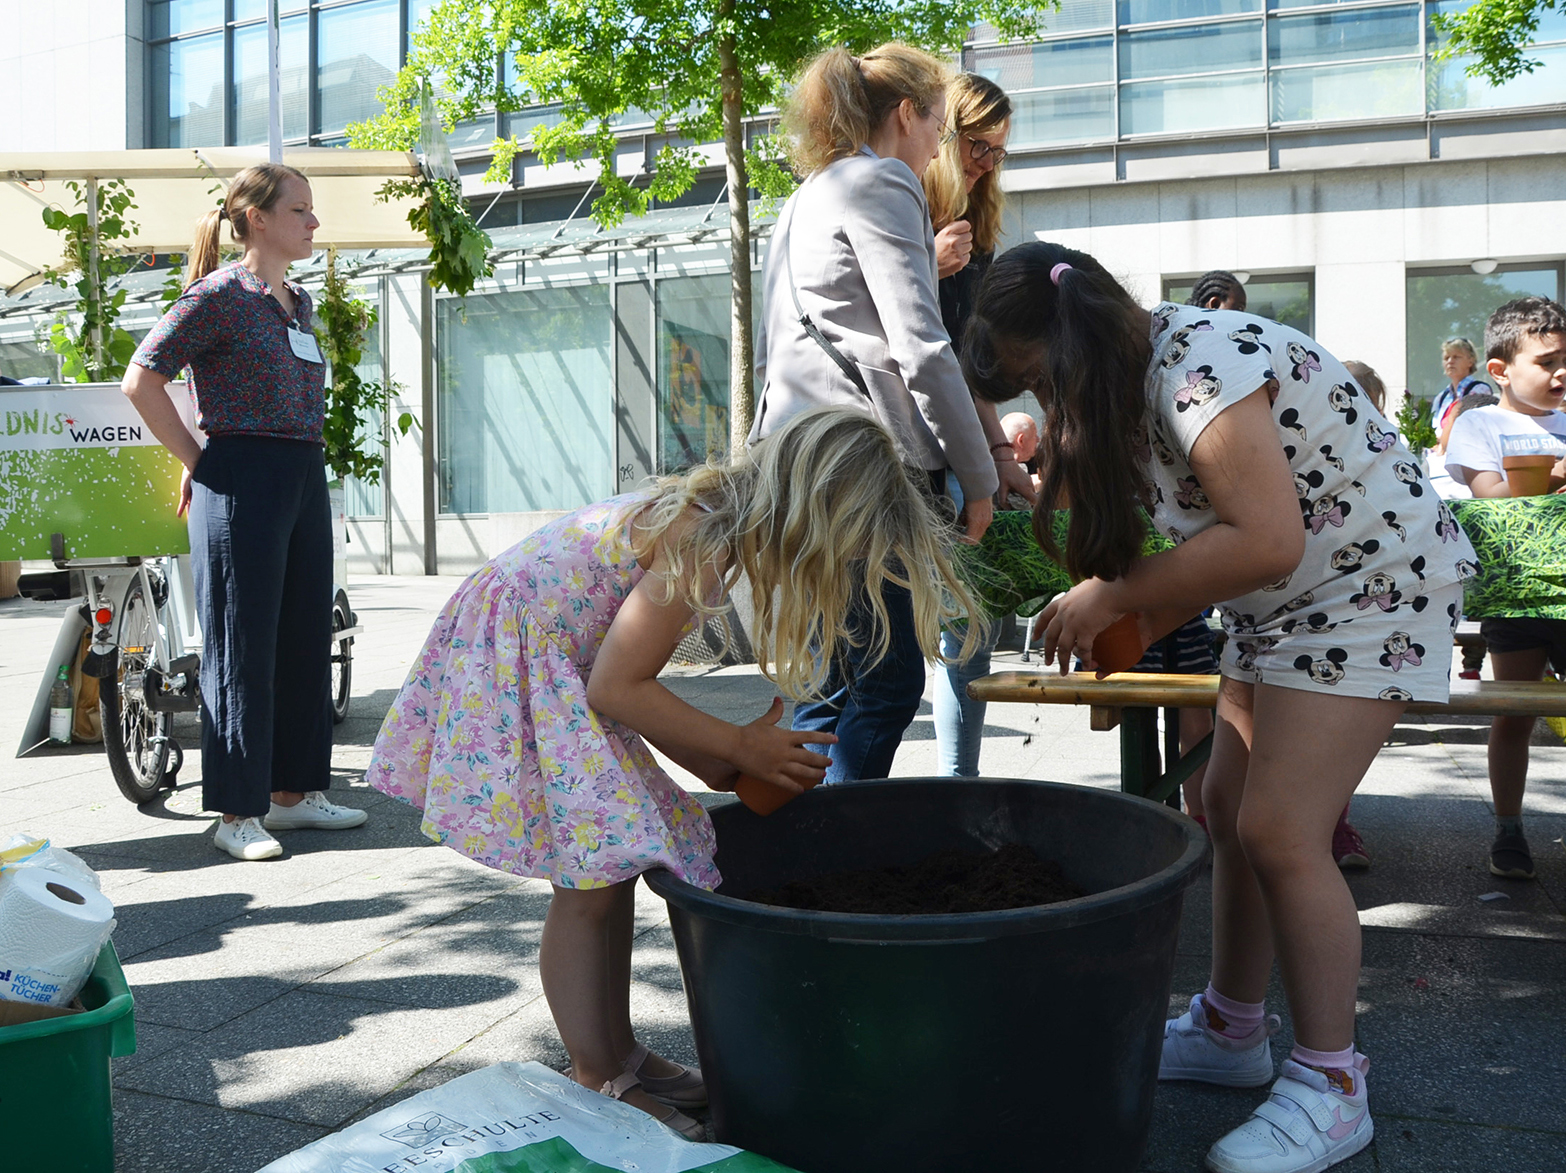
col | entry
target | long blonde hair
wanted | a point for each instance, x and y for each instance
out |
(820, 515)
(840, 99)
(258, 187)
(974, 105)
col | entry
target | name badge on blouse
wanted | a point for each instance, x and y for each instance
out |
(303, 345)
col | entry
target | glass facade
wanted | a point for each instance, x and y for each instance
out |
(693, 369)
(335, 56)
(1100, 72)
(1456, 302)
(526, 400)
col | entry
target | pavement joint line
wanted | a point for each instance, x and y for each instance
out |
(323, 1128)
(1487, 1126)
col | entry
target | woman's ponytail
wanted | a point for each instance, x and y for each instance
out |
(1075, 343)
(840, 99)
(206, 250)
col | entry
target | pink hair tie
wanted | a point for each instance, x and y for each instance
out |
(1054, 274)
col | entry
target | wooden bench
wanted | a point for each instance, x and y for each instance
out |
(1131, 700)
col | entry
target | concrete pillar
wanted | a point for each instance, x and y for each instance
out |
(1361, 313)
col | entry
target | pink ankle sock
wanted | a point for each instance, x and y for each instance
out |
(1233, 1020)
(1324, 1060)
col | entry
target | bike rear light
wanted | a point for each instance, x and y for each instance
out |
(104, 616)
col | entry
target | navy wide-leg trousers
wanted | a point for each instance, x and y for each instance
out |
(261, 552)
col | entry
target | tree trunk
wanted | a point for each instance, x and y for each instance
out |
(742, 349)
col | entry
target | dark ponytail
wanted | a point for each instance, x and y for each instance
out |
(1079, 347)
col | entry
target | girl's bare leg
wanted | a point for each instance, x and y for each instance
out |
(1309, 751)
(1242, 935)
(586, 947)
(621, 930)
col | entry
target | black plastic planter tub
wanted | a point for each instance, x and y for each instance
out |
(1018, 1040)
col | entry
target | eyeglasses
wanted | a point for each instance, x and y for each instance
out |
(947, 133)
(979, 150)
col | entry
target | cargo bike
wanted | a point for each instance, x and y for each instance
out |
(82, 480)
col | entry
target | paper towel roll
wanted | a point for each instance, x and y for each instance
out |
(51, 930)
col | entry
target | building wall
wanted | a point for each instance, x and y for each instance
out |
(1358, 230)
(76, 73)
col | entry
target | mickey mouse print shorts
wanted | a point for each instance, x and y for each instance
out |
(1386, 652)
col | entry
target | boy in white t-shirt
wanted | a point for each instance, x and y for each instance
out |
(1525, 349)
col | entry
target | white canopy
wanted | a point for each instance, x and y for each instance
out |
(174, 188)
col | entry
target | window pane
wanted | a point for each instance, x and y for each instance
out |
(1048, 63)
(1552, 23)
(1168, 52)
(1371, 89)
(1150, 11)
(1073, 16)
(1341, 36)
(358, 55)
(256, 9)
(1451, 89)
(526, 402)
(1440, 307)
(1208, 103)
(1062, 116)
(693, 370)
(187, 92)
(1283, 301)
(183, 16)
(250, 80)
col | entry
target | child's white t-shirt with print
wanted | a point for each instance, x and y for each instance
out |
(1483, 437)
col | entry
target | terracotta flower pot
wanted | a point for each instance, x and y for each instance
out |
(1528, 476)
(1119, 646)
(763, 797)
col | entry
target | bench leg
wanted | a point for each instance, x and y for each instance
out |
(1140, 767)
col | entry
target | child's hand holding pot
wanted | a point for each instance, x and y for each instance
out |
(1072, 622)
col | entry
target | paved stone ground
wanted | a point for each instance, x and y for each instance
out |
(279, 1001)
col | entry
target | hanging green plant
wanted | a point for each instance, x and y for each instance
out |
(459, 248)
(1413, 421)
(92, 348)
(342, 322)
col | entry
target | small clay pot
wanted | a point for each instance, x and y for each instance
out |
(763, 797)
(1528, 476)
(1119, 646)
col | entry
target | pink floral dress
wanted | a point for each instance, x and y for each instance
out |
(491, 735)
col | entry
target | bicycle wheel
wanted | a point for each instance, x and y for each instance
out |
(135, 738)
(342, 659)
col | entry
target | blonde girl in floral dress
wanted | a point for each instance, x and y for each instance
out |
(523, 730)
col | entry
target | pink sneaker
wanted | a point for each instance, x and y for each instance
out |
(1347, 847)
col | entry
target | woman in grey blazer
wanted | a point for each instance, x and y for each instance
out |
(851, 318)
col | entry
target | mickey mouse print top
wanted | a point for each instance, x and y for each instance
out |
(1380, 547)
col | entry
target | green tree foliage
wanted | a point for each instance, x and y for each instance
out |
(91, 346)
(353, 405)
(1497, 33)
(697, 68)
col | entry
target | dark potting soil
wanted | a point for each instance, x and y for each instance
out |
(1011, 876)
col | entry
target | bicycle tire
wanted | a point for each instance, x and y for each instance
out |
(342, 659)
(135, 738)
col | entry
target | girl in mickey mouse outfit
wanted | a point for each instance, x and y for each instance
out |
(1294, 507)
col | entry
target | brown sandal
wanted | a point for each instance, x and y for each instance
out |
(690, 1129)
(685, 1089)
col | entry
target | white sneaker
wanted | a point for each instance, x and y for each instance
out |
(1192, 1050)
(313, 813)
(1304, 1126)
(245, 839)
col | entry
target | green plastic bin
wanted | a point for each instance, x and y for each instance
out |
(56, 1111)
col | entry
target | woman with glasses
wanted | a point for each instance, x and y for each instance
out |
(966, 202)
(851, 318)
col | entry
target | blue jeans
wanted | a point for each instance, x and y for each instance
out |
(869, 708)
(959, 720)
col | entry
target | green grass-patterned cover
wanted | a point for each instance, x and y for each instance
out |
(1521, 544)
(1520, 541)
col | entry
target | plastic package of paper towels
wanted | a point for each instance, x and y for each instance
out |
(52, 927)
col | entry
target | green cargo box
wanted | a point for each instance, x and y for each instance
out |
(78, 461)
(56, 1111)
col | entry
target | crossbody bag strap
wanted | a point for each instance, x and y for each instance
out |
(855, 376)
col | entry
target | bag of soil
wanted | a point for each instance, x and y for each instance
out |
(514, 1118)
